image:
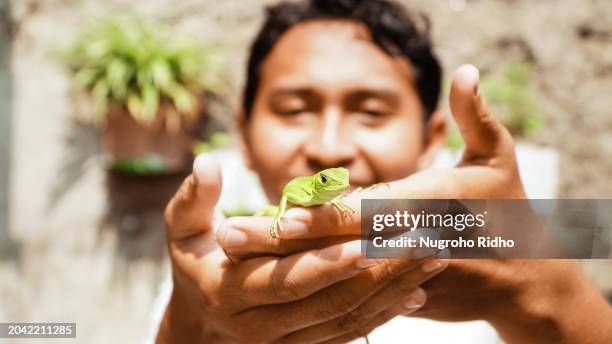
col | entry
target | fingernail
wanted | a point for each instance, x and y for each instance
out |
(415, 300)
(431, 265)
(234, 238)
(200, 164)
(412, 305)
(366, 263)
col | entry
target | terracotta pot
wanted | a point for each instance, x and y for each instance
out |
(168, 138)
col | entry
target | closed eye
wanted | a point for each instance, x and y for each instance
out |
(291, 112)
(374, 113)
(293, 102)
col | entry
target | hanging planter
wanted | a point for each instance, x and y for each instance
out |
(146, 91)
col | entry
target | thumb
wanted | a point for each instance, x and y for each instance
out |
(483, 134)
(192, 209)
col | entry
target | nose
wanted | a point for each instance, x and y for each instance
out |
(331, 144)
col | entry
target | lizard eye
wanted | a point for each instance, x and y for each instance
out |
(323, 179)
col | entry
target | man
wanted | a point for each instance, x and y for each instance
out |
(356, 84)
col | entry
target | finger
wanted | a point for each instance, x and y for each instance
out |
(245, 237)
(191, 210)
(392, 295)
(476, 182)
(377, 310)
(378, 320)
(407, 306)
(483, 134)
(270, 280)
(338, 299)
(326, 220)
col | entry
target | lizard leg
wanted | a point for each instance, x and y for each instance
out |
(345, 209)
(371, 187)
(281, 211)
(340, 205)
(269, 210)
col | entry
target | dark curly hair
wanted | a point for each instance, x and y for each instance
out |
(394, 29)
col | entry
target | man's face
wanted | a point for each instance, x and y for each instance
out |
(329, 97)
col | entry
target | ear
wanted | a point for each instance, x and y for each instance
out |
(244, 138)
(435, 138)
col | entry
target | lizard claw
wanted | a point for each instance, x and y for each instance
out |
(275, 228)
(273, 231)
(343, 208)
(280, 225)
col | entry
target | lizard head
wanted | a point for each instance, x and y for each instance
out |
(332, 180)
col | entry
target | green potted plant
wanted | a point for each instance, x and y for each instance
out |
(511, 96)
(146, 89)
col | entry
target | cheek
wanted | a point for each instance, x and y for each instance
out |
(272, 147)
(392, 150)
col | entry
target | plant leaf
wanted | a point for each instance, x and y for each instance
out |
(118, 74)
(84, 78)
(150, 100)
(99, 95)
(182, 98)
(135, 105)
(162, 74)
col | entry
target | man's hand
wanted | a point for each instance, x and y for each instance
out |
(322, 295)
(488, 170)
(526, 300)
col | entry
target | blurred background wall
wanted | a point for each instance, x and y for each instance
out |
(5, 121)
(69, 264)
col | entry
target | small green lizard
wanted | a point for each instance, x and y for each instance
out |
(326, 186)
